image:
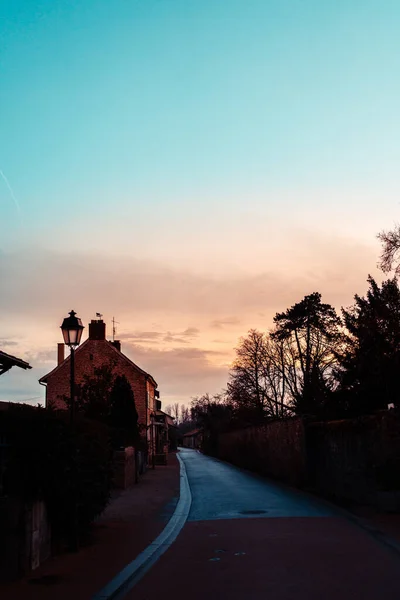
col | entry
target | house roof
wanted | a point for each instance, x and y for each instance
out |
(161, 412)
(4, 406)
(117, 352)
(166, 417)
(192, 432)
(7, 361)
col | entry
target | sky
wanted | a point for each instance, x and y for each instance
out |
(189, 167)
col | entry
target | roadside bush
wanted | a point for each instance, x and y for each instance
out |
(70, 468)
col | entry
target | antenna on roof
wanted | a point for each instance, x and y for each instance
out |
(114, 329)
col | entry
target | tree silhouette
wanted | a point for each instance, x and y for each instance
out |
(310, 334)
(370, 356)
(123, 416)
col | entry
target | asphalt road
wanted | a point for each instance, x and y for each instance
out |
(249, 538)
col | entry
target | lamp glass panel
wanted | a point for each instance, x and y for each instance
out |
(79, 335)
(73, 336)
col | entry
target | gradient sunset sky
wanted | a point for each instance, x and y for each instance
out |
(190, 167)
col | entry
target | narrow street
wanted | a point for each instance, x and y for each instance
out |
(250, 538)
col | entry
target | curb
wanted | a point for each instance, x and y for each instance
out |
(135, 570)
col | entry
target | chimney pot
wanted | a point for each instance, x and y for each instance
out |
(97, 330)
(117, 345)
(60, 353)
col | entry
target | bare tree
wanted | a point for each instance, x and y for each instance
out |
(390, 259)
(168, 410)
(257, 377)
(175, 411)
(185, 414)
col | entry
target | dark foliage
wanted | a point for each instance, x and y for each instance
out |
(214, 416)
(310, 331)
(370, 357)
(109, 399)
(123, 416)
(63, 465)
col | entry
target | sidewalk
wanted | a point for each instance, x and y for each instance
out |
(133, 519)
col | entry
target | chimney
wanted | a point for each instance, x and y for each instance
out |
(97, 330)
(117, 345)
(60, 353)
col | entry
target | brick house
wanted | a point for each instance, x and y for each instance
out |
(166, 433)
(95, 352)
(193, 439)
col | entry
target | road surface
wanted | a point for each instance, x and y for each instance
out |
(249, 538)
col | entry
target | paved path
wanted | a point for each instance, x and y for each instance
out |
(249, 538)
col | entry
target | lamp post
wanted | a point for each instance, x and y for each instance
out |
(72, 332)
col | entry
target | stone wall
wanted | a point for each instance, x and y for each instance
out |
(355, 459)
(124, 468)
(25, 537)
(276, 449)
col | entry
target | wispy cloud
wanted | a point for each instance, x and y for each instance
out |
(336, 268)
(150, 337)
(4, 343)
(221, 323)
(166, 311)
(11, 191)
(183, 337)
(141, 336)
(181, 371)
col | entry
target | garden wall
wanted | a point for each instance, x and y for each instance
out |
(25, 537)
(124, 468)
(357, 460)
(276, 449)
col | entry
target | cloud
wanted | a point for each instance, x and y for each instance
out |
(182, 372)
(42, 358)
(184, 337)
(131, 286)
(144, 337)
(4, 343)
(190, 332)
(220, 323)
(172, 338)
(161, 305)
(141, 336)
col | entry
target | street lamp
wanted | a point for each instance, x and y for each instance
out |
(72, 332)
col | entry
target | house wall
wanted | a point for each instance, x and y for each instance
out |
(91, 355)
